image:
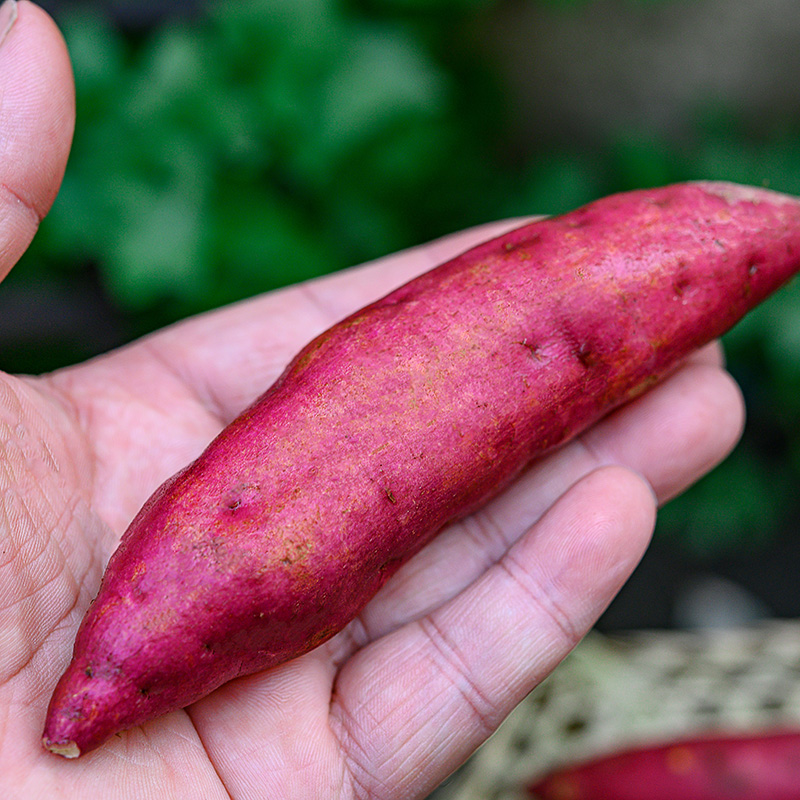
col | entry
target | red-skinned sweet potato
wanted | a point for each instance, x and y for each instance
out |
(406, 415)
(756, 767)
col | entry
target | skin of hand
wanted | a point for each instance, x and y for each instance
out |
(395, 702)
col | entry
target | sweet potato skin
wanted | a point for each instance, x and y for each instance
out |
(406, 415)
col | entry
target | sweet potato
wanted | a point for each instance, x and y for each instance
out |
(756, 767)
(406, 415)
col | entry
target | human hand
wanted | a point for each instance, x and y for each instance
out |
(461, 633)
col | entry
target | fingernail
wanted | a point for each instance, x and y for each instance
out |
(8, 16)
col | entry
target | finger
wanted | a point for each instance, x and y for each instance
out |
(685, 430)
(413, 705)
(278, 720)
(37, 113)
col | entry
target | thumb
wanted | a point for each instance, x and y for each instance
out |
(37, 117)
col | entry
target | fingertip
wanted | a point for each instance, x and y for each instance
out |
(713, 421)
(632, 501)
(677, 431)
(615, 513)
(37, 117)
(37, 112)
(586, 546)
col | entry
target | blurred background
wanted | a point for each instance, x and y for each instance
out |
(225, 149)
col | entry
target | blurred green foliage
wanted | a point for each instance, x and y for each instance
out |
(270, 141)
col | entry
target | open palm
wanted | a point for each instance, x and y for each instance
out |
(396, 701)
